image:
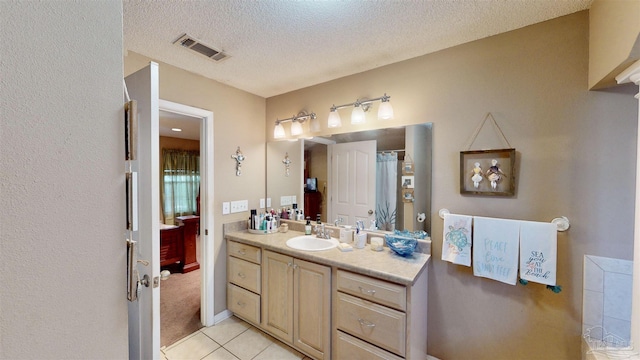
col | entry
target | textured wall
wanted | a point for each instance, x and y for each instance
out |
(62, 181)
(575, 159)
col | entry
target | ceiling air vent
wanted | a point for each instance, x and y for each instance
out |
(202, 49)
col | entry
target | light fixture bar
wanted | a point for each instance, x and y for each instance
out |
(296, 124)
(383, 98)
(385, 112)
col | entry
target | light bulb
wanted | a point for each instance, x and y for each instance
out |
(314, 126)
(357, 115)
(296, 128)
(385, 111)
(334, 119)
(278, 131)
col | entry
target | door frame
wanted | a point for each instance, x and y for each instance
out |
(206, 205)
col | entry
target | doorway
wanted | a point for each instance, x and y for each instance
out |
(196, 125)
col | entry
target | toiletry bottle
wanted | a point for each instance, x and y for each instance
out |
(307, 227)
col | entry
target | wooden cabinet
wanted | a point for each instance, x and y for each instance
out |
(296, 302)
(244, 281)
(377, 319)
(277, 307)
(325, 311)
(191, 224)
(312, 204)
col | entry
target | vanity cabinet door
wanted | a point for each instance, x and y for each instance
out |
(312, 296)
(277, 295)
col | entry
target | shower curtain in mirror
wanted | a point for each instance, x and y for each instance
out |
(180, 183)
(386, 187)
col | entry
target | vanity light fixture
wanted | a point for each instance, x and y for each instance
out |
(296, 125)
(360, 106)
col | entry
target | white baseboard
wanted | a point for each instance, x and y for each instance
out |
(221, 316)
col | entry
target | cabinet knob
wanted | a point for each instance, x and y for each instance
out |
(241, 304)
(242, 275)
(242, 252)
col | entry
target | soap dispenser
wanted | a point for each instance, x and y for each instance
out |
(307, 227)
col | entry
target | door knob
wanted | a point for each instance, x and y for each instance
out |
(145, 280)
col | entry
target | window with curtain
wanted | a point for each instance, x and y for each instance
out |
(180, 183)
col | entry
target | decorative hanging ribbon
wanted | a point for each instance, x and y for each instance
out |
(496, 128)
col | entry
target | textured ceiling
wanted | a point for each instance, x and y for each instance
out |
(281, 46)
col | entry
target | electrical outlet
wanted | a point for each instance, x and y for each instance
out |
(262, 203)
(268, 202)
(293, 199)
(226, 208)
(244, 205)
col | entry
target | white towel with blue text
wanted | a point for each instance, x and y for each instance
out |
(495, 249)
(538, 252)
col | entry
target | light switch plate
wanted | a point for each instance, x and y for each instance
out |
(268, 202)
(262, 203)
(226, 208)
(239, 206)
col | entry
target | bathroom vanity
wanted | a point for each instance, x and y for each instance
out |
(330, 304)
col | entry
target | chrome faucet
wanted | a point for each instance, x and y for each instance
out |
(338, 221)
(323, 233)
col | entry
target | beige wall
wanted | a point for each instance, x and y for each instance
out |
(614, 39)
(575, 159)
(63, 288)
(177, 143)
(238, 119)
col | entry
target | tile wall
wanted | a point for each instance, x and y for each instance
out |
(606, 300)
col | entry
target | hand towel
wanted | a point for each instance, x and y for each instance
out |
(456, 239)
(538, 252)
(495, 250)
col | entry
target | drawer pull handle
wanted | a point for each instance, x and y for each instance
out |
(367, 292)
(289, 264)
(242, 252)
(242, 275)
(366, 323)
(241, 304)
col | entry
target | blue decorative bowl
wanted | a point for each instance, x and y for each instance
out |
(401, 245)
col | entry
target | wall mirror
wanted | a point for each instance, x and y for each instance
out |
(322, 175)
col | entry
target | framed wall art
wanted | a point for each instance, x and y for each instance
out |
(488, 172)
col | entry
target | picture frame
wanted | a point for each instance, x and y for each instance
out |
(502, 173)
(407, 182)
(407, 195)
(407, 167)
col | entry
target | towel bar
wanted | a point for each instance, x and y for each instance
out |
(562, 222)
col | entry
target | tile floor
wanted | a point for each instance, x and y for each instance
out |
(231, 339)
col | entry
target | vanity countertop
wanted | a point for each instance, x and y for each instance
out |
(384, 264)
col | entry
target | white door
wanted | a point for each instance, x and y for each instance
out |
(144, 314)
(353, 181)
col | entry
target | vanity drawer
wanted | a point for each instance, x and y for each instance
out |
(349, 347)
(244, 273)
(243, 251)
(243, 303)
(371, 322)
(379, 291)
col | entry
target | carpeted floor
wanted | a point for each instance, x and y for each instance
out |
(179, 306)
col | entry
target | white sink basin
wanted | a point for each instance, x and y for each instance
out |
(311, 243)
